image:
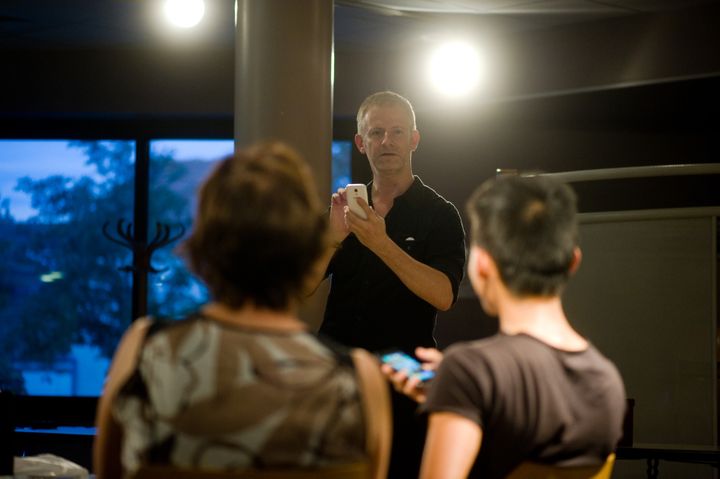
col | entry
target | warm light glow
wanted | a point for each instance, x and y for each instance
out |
(184, 13)
(455, 68)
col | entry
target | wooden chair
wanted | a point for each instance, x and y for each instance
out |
(345, 471)
(533, 470)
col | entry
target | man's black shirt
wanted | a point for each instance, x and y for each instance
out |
(368, 305)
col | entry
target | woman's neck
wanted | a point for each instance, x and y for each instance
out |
(252, 316)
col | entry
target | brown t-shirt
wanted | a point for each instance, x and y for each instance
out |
(533, 402)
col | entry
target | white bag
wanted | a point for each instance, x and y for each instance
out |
(47, 465)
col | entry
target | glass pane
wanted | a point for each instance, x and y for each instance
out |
(177, 168)
(341, 164)
(64, 301)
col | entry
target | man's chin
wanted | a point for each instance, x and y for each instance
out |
(389, 164)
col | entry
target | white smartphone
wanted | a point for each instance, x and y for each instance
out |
(353, 191)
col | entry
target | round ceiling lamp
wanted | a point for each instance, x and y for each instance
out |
(184, 13)
(455, 68)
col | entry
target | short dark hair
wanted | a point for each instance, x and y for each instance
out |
(259, 228)
(529, 227)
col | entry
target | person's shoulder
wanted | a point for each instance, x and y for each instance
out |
(329, 347)
(594, 356)
(435, 206)
(172, 328)
(497, 348)
(475, 349)
(427, 193)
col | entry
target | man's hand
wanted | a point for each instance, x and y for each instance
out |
(371, 231)
(413, 387)
(424, 281)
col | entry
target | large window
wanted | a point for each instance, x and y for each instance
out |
(63, 299)
(67, 219)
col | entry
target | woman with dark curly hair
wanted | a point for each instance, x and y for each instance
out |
(242, 383)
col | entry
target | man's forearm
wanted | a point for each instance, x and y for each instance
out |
(317, 273)
(426, 282)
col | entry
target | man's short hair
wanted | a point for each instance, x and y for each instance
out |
(259, 228)
(529, 227)
(384, 98)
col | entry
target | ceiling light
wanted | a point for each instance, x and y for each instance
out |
(184, 13)
(455, 68)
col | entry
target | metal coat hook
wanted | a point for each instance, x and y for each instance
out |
(142, 251)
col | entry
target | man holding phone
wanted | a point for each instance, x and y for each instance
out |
(394, 270)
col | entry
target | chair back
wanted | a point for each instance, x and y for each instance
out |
(359, 470)
(534, 470)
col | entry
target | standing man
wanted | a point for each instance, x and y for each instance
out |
(392, 272)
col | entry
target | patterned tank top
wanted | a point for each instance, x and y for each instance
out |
(208, 394)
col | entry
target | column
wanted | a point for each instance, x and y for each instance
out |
(283, 87)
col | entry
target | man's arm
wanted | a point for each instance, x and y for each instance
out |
(451, 446)
(317, 273)
(425, 281)
(338, 232)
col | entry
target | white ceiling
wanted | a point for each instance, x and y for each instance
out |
(358, 23)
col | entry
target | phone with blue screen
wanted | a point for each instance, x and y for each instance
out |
(402, 361)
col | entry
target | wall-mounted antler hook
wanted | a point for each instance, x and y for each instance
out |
(142, 251)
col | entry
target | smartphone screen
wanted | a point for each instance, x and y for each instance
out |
(401, 361)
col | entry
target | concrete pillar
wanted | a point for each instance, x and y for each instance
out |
(283, 87)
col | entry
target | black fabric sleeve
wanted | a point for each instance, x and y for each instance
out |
(446, 241)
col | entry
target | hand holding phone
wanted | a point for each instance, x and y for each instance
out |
(401, 361)
(353, 191)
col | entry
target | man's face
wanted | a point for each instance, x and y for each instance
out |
(388, 139)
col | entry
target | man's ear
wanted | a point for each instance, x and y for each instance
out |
(414, 140)
(576, 260)
(359, 143)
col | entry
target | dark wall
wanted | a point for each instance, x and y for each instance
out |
(629, 91)
(659, 124)
(654, 124)
(154, 82)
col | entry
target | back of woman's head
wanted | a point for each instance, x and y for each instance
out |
(259, 228)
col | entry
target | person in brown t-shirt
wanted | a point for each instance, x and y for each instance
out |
(537, 390)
